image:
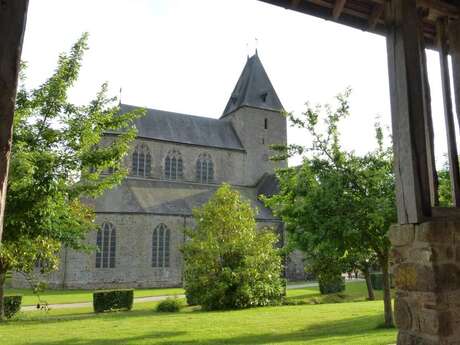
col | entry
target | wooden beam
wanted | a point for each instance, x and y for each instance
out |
(407, 108)
(429, 132)
(13, 14)
(454, 40)
(437, 7)
(376, 13)
(441, 28)
(338, 8)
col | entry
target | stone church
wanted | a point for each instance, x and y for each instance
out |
(176, 163)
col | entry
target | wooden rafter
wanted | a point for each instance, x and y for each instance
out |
(377, 12)
(338, 8)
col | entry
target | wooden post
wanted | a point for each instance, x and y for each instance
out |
(13, 14)
(454, 39)
(407, 108)
(429, 132)
(441, 28)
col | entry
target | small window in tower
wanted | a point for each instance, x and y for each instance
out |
(264, 97)
(266, 124)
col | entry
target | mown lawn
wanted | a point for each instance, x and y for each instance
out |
(347, 323)
(353, 323)
(77, 296)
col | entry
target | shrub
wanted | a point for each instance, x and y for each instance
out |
(331, 284)
(169, 305)
(12, 305)
(229, 264)
(108, 300)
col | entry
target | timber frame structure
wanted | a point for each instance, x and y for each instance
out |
(410, 26)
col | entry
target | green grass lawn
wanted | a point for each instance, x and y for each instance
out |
(332, 324)
(76, 296)
(354, 292)
(347, 323)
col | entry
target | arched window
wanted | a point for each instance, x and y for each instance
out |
(160, 246)
(204, 169)
(106, 244)
(142, 161)
(174, 169)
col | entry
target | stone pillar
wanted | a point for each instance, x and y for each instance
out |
(426, 267)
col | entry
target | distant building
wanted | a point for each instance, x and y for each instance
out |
(176, 163)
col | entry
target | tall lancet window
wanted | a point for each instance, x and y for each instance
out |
(204, 169)
(160, 246)
(106, 242)
(174, 168)
(141, 162)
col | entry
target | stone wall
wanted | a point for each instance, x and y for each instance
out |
(133, 263)
(249, 124)
(426, 266)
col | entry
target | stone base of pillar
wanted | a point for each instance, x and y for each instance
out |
(426, 267)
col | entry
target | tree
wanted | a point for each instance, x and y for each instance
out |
(337, 199)
(228, 263)
(60, 155)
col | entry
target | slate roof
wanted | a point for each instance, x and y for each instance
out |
(186, 129)
(166, 198)
(253, 89)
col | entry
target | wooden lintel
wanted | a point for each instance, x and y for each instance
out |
(436, 7)
(441, 29)
(376, 13)
(338, 8)
(407, 109)
(13, 14)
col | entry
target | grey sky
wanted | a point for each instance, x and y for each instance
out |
(186, 56)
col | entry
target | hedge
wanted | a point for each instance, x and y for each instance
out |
(331, 285)
(108, 300)
(12, 305)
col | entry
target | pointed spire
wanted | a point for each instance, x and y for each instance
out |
(253, 89)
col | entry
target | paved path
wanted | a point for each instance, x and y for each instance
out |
(90, 304)
(140, 299)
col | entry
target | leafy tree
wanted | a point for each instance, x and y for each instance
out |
(336, 199)
(228, 263)
(60, 155)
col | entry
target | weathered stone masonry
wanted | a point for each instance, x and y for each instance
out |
(426, 267)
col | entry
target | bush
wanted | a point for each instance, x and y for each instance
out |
(169, 305)
(12, 305)
(331, 284)
(229, 264)
(108, 300)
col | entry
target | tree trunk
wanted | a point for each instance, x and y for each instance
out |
(383, 260)
(2, 294)
(370, 289)
(12, 25)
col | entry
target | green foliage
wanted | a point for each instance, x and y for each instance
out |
(336, 203)
(329, 284)
(445, 186)
(60, 154)
(113, 300)
(169, 305)
(12, 305)
(228, 263)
